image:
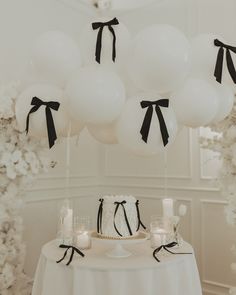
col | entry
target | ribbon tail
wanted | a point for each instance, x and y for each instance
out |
(219, 65)
(230, 66)
(114, 222)
(99, 218)
(52, 136)
(163, 128)
(71, 256)
(79, 252)
(155, 252)
(99, 46)
(144, 131)
(33, 109)
(60, 260)
(139, 218)
(143, 226)
(113, 43)
(169, 250)
(127, 221)
(176, 253)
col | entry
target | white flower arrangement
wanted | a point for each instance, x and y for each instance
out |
(224, 143)
(21, 159)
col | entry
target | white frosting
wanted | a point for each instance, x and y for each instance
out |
(108, 229)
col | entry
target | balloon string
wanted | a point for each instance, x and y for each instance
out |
(68, 161)
(165, 174)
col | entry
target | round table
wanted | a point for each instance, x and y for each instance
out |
(97, 274)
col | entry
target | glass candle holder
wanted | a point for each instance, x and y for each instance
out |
(176, 235)
(160, 232)
(82, 238)
(65, 223)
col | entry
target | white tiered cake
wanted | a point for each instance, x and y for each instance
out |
(118, 217)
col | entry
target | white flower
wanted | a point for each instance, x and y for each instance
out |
(6, 159)
(182, 210)
(11, 173)
(21, 167)
(7, 277)
(21, 158)
(3, 254)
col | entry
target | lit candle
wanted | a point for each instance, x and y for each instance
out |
(83, 240)
(168, 207)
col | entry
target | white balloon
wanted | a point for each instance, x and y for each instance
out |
(160, 58)
(95, 95)
(55, 56)
(75, 128)
(225, 100)
(37, 120)
(195, 103)
(203, 55)
(103, 133)
(130, 121)
(88, 40)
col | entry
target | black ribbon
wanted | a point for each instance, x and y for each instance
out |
(73, 250)
(166, 247)
(148, 118)
(99, 216)
(118, 204)
(54, 105)
(100, 26)
(138, 215)
(220, 59)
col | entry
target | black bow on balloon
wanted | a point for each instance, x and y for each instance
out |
(148, 118)
(220, 59)
(54, 105)
(73, 250)
(100, 26)
(138, 215)
(99, 216)
(166, 247)
(118, 204)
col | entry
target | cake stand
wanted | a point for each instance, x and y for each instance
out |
(118, 251)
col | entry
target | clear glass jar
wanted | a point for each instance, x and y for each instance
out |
(161, 231)
(82, 235)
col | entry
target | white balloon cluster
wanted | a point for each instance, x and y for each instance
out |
(160, 62)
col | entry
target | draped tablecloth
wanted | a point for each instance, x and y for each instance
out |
(97, 274)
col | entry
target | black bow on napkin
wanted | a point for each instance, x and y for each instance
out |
(118, 204)
(148, 118)
(100, 26)
(54, 105)
(220, 59)
(73, 250)
(166, 247)
(99, 216)
(138, 215)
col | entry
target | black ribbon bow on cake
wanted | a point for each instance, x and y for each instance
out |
(167, 248)
(50, 105)
(148, 118)
(73, 250)
(100, 26)
(220, 59)
(99, 216)
(118, 204)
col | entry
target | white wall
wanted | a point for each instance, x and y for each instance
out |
(98, 169)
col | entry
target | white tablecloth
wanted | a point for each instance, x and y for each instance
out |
(97, 274)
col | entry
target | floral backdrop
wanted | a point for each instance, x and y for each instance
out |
(223, 142)
(21, 159)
